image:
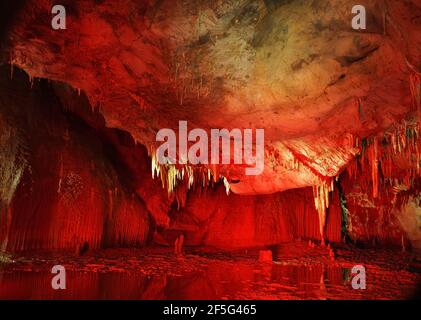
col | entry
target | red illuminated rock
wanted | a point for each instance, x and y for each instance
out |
(68, 194)
(324, 93)
(294, 69)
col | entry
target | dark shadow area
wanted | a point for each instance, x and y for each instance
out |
(9, 9)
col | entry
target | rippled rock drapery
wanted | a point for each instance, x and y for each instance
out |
(67, 192)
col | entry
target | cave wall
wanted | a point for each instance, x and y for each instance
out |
(210, 217)
(69, 194)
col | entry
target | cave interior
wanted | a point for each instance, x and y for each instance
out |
(80, 184)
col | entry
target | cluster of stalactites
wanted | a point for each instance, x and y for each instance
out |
(377, 164)
(380, 154)
(321, 194)
(173, 176)
(388, 168)
(401, 143)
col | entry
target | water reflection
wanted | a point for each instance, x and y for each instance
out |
(214, 282)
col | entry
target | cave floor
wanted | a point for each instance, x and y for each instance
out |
(301, 272)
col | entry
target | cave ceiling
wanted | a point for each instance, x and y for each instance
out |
(294, 68)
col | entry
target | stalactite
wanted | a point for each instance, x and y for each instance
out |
(11, 70)
(31, 81)
(215, 172)
(321, 202)
(373, 158)
(12, 63)
(139, 100)
(415, 86)
(360, 108)
(226, 185)
(173, 175)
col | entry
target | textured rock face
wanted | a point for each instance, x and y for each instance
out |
(294, 68)
(61, 188)
(13, 163)
(213, 219)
